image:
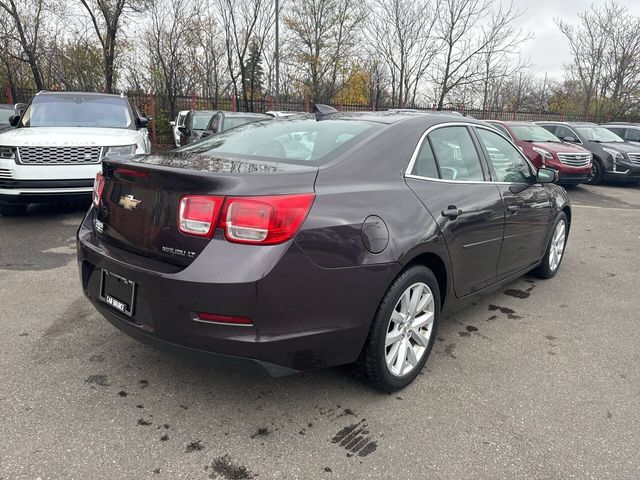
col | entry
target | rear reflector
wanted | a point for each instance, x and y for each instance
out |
(198, 214)
(227, 319)
(265, 220)
(98, 188)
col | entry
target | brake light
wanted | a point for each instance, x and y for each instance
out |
(226, 319)
(265, 220)
(98, 188)
(198, 214)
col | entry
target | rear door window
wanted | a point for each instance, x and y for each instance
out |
(456, 155)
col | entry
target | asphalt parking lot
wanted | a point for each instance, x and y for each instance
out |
(539, 380)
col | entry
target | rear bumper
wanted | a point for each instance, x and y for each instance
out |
(304, 317)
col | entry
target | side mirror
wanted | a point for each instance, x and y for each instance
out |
(206, 134)
(20, 108)
(13, 120)
(547, 175)
(142, 122)
(569, 139)
(172, 123)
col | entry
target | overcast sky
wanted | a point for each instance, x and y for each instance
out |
(548, 50)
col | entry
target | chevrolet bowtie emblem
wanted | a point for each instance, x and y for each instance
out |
(128, 202)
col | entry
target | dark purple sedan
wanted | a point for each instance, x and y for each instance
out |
(316, 241)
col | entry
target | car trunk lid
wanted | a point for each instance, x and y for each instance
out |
(139, 207)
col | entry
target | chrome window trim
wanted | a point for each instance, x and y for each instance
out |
(414, 156)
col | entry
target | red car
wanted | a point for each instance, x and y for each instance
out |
(544, 149)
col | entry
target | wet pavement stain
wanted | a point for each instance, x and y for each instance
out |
(144, 423)
(76, 315)
(509, 312)
(514, 292)
(100, 380)
(262, 432)
(122, 393)
(448, 350)
(224, 468)
(355, 439)
(194, 446)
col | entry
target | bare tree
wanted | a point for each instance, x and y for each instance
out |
(244, 21)
(469, 30)
(211, 59)
(400, 33)
(27, 17)
(323, 36)
(107, 19)
(169, 38)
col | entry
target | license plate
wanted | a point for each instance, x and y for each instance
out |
(118, 292)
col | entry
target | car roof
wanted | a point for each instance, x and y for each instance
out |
(621, 124)
(570, 124)
(65, 93)
(245, 114)
(390, 117)
(511, 123)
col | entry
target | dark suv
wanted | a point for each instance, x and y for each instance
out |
(544, 149)
(345, 248)
(613, 159)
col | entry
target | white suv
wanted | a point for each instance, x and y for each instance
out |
(59, 143)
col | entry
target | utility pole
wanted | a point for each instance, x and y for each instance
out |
(277, 103)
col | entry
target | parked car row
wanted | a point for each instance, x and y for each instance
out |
(581, 152)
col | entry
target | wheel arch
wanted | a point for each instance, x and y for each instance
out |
(437, 265)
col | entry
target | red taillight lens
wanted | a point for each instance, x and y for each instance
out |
(198, 214)
(226, 319)
(265, 220)
(98, 188)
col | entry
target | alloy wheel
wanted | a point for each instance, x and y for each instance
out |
(557, 245)
(409, 330)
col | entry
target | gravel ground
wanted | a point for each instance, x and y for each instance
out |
(539, 380)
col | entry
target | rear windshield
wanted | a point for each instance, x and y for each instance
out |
(299, 141)
(533, 133)
(77, 111)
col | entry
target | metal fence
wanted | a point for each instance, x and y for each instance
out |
(161, 109)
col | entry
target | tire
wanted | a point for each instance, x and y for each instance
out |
(372, 365)
(12, 210)
(597, 171)
(547, 269)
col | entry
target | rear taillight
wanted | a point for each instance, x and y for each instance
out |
(98, 188)
(264, 220)
(198, 214)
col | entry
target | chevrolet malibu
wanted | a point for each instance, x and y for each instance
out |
(249, 247)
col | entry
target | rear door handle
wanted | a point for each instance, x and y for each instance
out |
(452, 212)
(513, 208)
